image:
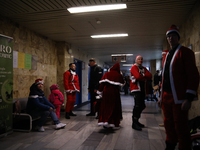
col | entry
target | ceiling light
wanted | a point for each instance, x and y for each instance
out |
(96, 8)
(127, 65)
(109, 35)
(122, 55)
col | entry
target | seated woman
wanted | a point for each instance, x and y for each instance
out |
(39, 106)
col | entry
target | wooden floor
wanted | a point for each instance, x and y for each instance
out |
(82, 133)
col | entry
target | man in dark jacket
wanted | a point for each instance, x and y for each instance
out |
(156, 78)
(95, 77)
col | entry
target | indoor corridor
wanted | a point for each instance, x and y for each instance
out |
(82, 133)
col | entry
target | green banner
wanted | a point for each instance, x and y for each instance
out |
(6, 83)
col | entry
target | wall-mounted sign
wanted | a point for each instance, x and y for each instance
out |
(117, 59)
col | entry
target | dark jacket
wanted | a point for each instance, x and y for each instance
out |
(37, 100)
(95, 77)
(156, 79)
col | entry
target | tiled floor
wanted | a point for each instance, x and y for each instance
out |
(82, 133)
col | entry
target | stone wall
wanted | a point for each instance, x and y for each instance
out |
(190, 35)
(29, 42)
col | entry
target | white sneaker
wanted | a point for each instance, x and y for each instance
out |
(60, 125)
(40, 129)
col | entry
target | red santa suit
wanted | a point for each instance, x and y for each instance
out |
(184, 78)
(56, 98)
(71, 84)
(137, 76)
(110, 112)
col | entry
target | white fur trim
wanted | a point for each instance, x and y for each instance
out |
(39, 82)
(106, 124)
(98, 97)
(100, 93)
(135, 90)
(111, 82)
(133, 79)
(137, 57)
(72, 72)
(172, 30)
(176, 101)
(74, 85)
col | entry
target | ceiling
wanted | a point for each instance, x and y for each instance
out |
(145, 21)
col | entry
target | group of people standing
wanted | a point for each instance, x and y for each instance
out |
(179, 84)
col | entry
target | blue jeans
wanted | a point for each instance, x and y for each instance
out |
(44, 114)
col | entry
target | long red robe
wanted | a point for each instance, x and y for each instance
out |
(110, 112)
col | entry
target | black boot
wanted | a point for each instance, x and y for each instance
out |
(71, 113)
(170, 146)
(67, 116)
(140, 125)
(90, 114)
(135, 125)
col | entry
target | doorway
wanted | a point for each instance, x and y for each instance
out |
(78, 64)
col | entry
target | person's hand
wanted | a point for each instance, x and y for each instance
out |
(186, 105)
(95, 91)
(50, 109)
(63, 104)
(54, 110)
(159, 103)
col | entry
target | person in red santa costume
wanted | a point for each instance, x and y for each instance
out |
(139, 89)
(71, 84)
(110, 112)
(180, 80)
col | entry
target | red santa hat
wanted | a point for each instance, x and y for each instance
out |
(137, 57)
(173, 28)
(38, 81)
(54, 87)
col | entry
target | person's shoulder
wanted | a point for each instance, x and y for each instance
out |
(185, 48)
(186, 51)
(98, 68)
(66, 72)
(134, 66)
(145, 68)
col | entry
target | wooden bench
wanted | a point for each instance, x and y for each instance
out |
(23, 122)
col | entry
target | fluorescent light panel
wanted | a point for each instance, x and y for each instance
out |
(122, 55)
(127, 65)
(109, 35)
(96, 8)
